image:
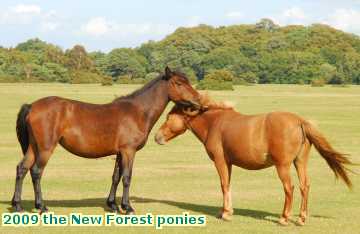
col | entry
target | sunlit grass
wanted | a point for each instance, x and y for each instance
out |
(179, 176)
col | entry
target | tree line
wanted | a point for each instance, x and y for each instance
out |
(256, 53)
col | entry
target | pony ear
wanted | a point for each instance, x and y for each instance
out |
(168, 73)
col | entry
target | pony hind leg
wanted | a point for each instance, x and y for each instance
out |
(304, 182)
(21, 170)
(36, 172)
(284, 175)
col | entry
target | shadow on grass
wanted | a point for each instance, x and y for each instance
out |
(203, 209)
(211, 210)
(28, 205)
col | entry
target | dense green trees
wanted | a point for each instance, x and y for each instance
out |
(259, 53)
(36, 60)
(121, 62)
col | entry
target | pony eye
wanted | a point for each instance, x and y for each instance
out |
(178, 83)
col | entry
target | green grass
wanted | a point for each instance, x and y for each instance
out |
(179, 176)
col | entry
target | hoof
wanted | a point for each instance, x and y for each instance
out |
(300, 221)
(127, 209)
(113, 207)
(283, 222)
(130, 212)
(224, 216)
(17, 207)
(42, 210)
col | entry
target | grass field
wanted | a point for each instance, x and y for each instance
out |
(179, 177)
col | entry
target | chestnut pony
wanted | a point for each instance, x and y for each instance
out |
(254, 142)
(92, 131)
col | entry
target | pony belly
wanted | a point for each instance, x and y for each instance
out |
(87, 149)
(252, 161)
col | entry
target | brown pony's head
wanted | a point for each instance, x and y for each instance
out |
(180, 90)
(177, 119)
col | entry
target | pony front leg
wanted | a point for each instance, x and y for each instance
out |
(127, 165)
(111, 201)
(224, 170)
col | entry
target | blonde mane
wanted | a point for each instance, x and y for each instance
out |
(207, 102)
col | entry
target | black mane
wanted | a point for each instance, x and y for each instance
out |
(143, 89)
(148, 85)
(180, 73)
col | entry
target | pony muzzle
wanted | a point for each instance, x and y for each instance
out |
(159, 138)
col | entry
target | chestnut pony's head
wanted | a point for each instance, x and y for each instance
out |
(174, 125)
(180, 90)
(177, 119)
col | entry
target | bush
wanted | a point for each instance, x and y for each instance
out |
(85, 77)
(220, 75)
(4, 78)
(246, 77)
(211, 85)
(238, 81)
(107, 81)
(300, 82)
(48, 72)
(217, 80)
(341, 85)
(338, 78)
(318, 83)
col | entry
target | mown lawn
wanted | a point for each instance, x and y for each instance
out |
(179, 177)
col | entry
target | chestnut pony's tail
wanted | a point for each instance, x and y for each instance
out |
(337, 161)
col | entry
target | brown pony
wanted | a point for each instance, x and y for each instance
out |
(254, 142)
(92, 131)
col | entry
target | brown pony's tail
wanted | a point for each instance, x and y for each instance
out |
(21, 127)
(334, 159)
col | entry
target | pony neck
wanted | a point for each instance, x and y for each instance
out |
(153, 102)
(199, 125)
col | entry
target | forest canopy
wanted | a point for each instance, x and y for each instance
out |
(257, 53)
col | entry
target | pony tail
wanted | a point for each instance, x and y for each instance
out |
(337, 161)
(21, 127)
